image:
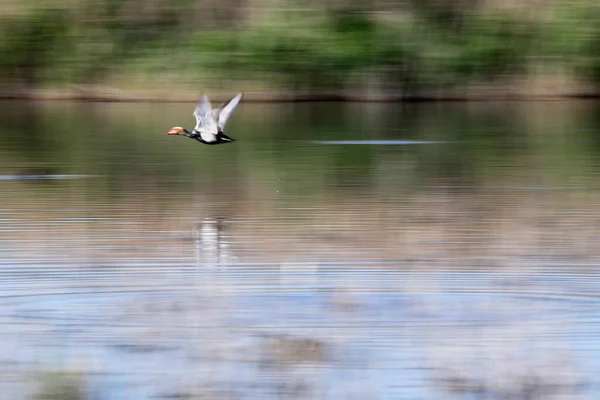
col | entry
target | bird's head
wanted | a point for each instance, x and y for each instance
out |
(177, 130)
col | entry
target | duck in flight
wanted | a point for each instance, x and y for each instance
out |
(210, 123)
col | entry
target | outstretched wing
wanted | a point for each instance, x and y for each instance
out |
(225, 111)
(205, 121)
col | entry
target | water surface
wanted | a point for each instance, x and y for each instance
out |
(334, 251)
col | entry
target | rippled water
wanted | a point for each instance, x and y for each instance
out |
(333, 251)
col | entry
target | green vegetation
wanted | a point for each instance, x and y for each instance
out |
(310, 49)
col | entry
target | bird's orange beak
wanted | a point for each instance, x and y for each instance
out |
(176, 130)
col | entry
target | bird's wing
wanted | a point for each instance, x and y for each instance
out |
(205, 120)
(215, 112)
(225, 111)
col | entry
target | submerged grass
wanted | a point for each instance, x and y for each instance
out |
(60, 385)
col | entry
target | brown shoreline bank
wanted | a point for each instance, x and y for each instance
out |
(251, 98)
(533, 89)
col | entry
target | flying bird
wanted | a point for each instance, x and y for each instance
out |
(210, 123)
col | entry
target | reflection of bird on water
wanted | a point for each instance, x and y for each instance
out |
(210, 123)
(211, 245)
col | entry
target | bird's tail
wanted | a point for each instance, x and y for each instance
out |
(226, 138)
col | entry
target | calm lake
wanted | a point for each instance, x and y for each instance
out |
(334, 251)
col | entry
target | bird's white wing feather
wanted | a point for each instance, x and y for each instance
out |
(206, 123)
(226, 111)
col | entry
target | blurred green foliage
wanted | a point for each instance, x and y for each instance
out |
(423, 45)
(29, 44)
(572, 37)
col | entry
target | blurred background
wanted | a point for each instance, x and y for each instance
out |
(394, 246)
(168, 49)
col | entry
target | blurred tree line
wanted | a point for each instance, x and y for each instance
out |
(408, 45)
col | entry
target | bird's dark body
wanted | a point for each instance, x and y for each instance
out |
(221, 137)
